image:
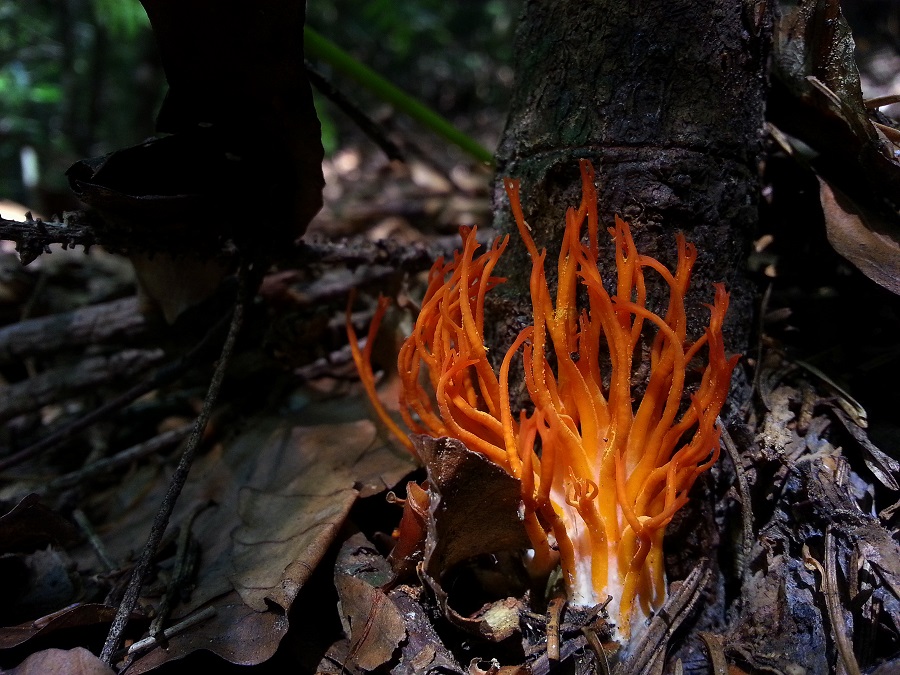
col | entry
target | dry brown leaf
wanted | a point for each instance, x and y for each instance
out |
(870, 243)
(411, 533)
(31, 524)
(78, 661)
(281, 489)
(474, 505)
(473, 510)
(172, 285)
(371, 619)
(291, 519)
(71, 617)
(236, 632)
(272, 557)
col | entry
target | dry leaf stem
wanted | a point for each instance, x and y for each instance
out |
(186, 557)
(746, 504)
(828, 572)
(678, 607)
(178, 480)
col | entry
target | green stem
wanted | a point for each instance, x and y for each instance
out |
(325, 50)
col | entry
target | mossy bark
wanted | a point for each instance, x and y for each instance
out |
(666, 98)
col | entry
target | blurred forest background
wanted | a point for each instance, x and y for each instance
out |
(64, 66)
(81, 78)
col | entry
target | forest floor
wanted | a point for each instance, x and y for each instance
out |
(278, 552)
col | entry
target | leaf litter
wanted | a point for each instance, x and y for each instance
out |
(280, 492)
(269, 504)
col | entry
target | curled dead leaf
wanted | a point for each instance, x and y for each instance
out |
(472, 510)
(78, 661)
(371, 619)
(282, 487)
(411, 533)
(236, 632)
(272, 556)
(474, 506)
(871, 243)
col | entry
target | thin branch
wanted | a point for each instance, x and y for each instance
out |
(81, 228)
(85, 228)
(178, 480)
(154, 640)
(119, 460)
(183, 573)
(351, 110)
(163, 376)
(833, 607)
(63, 383)
(356, 251)
(94, 324)
(99, 549)
(734, 455)
(321, 48)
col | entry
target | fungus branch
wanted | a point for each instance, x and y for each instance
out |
(601, 476)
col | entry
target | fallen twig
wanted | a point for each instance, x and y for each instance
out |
(164, 375)
(121, 459)
(62, 383)
(183, 573)
(80, 228)
(396, 254)
(828, 572)
(366, 124)
(716, 648)
(33, 237)
(90, 325)
(88, 529)
(746, 505)
(684, 597)
(180, 627)
(599, 652)
(178, 480)
(554, 613)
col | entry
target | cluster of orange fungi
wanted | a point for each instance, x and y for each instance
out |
(601, 473)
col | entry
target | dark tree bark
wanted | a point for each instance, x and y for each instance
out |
(666, 98)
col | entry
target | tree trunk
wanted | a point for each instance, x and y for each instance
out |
(666, 98)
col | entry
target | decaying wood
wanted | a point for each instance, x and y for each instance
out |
(82, 228)
(816, 523)
(96, 324)
(118, 461)
(62, 383)
(161, 376)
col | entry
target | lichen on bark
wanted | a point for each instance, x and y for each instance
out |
(666, 99)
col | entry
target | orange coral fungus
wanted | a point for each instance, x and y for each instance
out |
(602, 474)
